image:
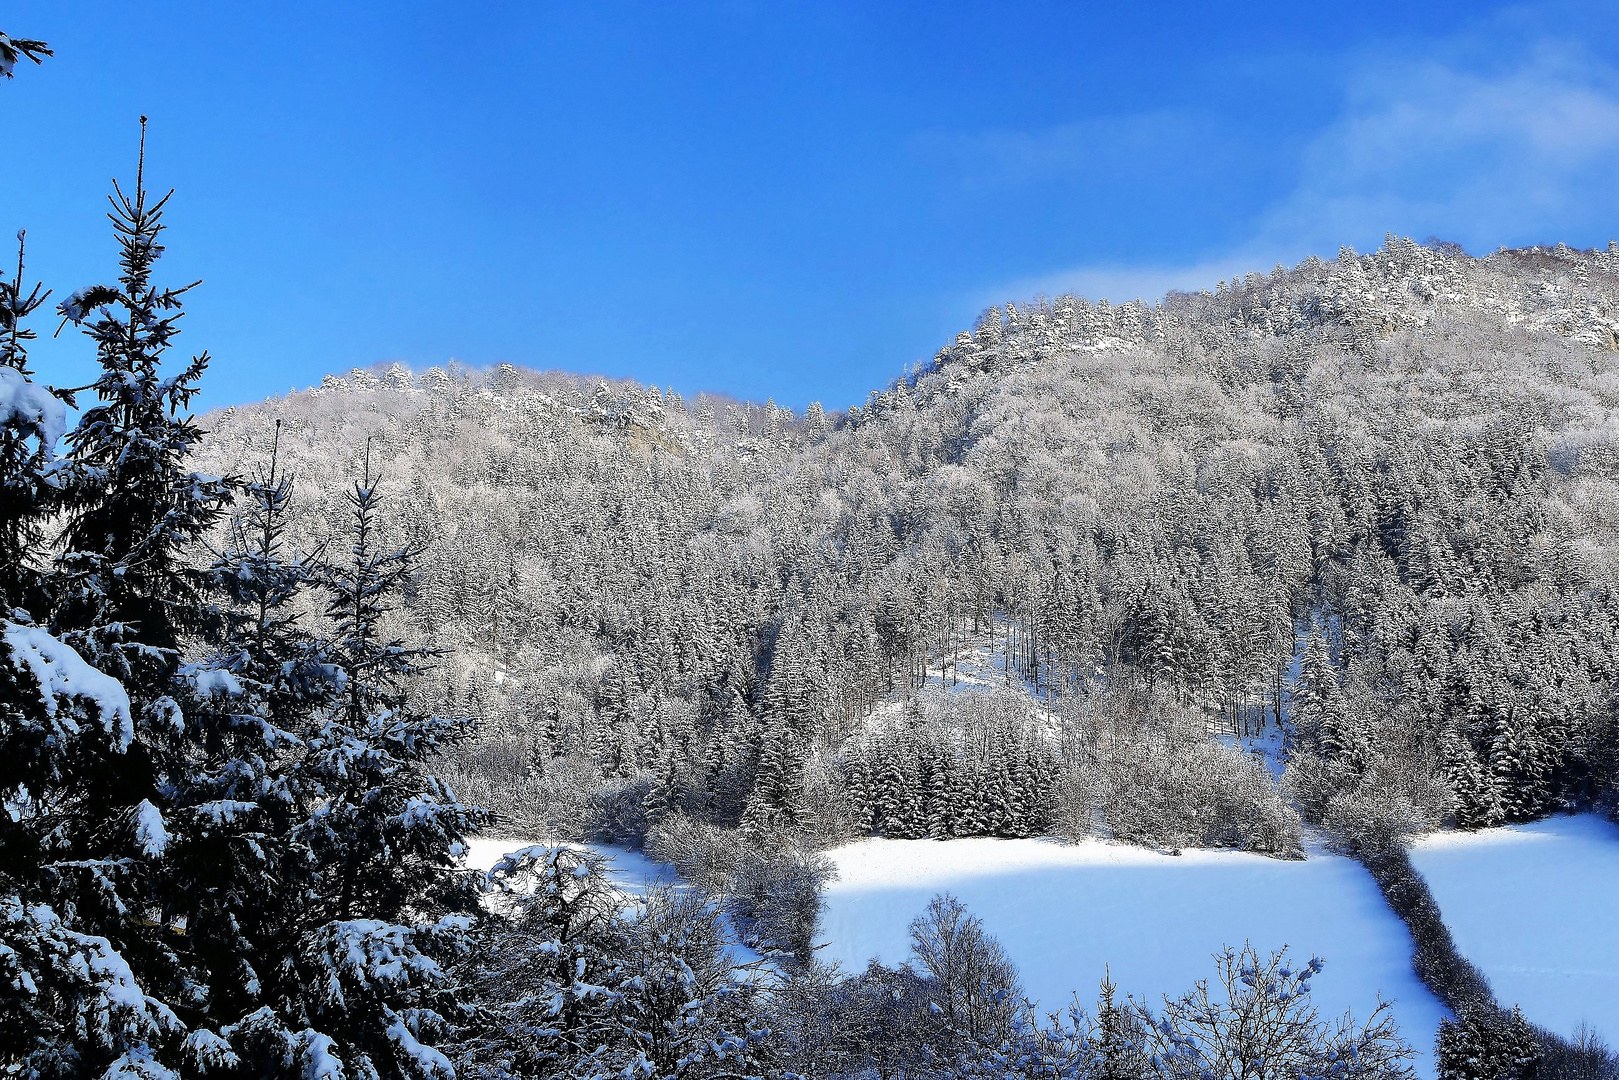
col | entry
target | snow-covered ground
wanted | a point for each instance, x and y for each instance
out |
(978, 664)
(1533, 907)
(1067, 912)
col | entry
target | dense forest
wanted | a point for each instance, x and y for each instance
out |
(1373, 498)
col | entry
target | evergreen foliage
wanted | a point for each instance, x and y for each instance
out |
(1143, 510)
(222, 852)
(32, 420)
(571, 985)
(1482, 1045)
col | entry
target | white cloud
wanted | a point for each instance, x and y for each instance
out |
(1484, 159)
(1523, 154)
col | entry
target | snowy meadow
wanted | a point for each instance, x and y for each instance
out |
(1533, 906)
(1068, 913)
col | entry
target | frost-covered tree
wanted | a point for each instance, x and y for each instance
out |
(972, 986)
(32, 422)
(1258, 1023)
(126, 591)
(572, 983)
(87, 847)
(208, 865)
(1485, 1044)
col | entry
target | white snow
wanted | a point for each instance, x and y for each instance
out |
(77, 306)
(139, 1063)
(150, 834)
(318, 1062)
(1533, 907)
(62, 672)
(1066, 913)
(207, 1050)
(212, 681)
(429, 1061)
(30, 407)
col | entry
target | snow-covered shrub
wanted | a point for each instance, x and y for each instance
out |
(1438, 963)
(1585, 1056)
(954, 1011)
(1257, 1023)
(827, 815)
(570, 983)
(768, 883)
(702, 854)
(972, 988)
(775, 896)
(1146, 771)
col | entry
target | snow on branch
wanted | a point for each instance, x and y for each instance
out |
(30, 407)
(62, 672)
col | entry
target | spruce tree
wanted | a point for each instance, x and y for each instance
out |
(857, 788)
(127, 592)
(388, 829)
(1487, 1044)
(940, 811)
(777, 777)
(94, 707)
(1318, 706)
(236, 866)
(891, 783)
(263, 642)
(32, 420)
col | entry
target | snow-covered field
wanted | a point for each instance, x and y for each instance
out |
(1066, 912)
(1534, 907)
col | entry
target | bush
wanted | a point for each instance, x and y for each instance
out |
(1584, 1057)
(572, 983)
(769, 884)
(1438, 963)
(1147, 772)
(617, 810)
(1259, 1025)
(956, 1013)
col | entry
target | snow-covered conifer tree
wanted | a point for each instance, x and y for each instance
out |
(206, 867)
(32, 420)
(127, 593)
(90, 757)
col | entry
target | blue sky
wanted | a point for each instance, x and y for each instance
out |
(772, 199)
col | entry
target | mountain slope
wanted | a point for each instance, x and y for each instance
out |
(1407, 456)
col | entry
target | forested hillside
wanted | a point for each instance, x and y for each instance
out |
(1376, 496)
(1331, 549)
